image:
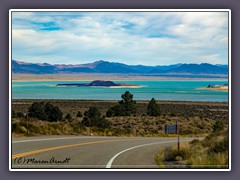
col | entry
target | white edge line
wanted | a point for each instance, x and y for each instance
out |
(10, 88)
(63, 138)
(109, 164)
(36, 140)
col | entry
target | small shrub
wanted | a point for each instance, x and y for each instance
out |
(14, 114)
(79, 114)
(172, 115)
(20, 115)
(18, 128)
(110, 112)
(220, 147)
(171, 156)
(68, 116)
(195, 141)
(178, 158)
(187, 131)
(218, 126)
(116, 110)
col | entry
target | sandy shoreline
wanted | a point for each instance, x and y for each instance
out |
(215, 89)
(29, 101)
(91, 77)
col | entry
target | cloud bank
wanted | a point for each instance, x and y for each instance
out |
(149, 38)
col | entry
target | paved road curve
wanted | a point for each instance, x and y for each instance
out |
(88, 151)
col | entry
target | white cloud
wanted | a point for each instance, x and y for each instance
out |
(132, 38)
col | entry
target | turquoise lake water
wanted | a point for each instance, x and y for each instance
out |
(160, 90)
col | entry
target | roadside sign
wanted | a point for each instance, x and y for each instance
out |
(171, 129)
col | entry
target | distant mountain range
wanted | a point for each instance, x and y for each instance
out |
(115, 67)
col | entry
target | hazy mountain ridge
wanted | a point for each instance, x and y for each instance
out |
(115, 67)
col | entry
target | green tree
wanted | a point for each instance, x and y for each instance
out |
(36, 110)
(92, 112)
(48, 108)
(128, 104)
(218, 126)
(153, 108)
(125, 107)
(55, 114)
(43, 111)
(116, 110)
(92, 117)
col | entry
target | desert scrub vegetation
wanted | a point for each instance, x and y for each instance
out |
(19, 128)
(128, 125)
(125, 117)
(204, 110)
(212, 152)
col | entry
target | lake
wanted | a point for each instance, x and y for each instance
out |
(174, 90)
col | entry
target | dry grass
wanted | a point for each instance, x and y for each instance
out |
(195, 118)
(212, 152)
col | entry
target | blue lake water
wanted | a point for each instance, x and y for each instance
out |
(176, 90)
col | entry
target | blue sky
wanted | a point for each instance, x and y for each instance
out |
(149, 38)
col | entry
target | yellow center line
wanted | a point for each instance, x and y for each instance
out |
(62, 147)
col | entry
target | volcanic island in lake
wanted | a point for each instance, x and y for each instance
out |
(100, 83)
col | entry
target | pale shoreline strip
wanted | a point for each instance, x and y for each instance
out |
(225, 89)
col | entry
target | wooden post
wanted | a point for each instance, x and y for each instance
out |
(177, 124)
(27, 123)
(90, 126)
(178, 143)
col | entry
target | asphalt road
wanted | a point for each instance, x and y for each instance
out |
(88, 151)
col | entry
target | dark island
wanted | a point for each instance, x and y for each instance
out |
(217, 86)
(99, 83)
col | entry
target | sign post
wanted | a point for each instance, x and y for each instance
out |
(177, 124)
(178, 143)
(26, 115)
(27, 126)
(173, 129)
